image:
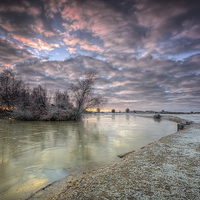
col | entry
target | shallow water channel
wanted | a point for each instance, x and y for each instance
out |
(33, 154)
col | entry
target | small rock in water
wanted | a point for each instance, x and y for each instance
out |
(157, 116)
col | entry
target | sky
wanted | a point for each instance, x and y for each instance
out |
(147, 52)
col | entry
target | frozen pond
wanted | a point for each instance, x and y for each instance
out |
(33, 154)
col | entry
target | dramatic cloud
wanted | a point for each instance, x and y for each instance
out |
(147, 52)
(11, 53)
(36, 43)
(74, 41)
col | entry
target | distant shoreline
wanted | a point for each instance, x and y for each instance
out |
(144, 112)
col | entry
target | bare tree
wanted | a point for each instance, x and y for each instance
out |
(127, 110)
(34, 104)
(62, 100)
(40, 98)
(83, 94)
(25, 99)
(11, 89)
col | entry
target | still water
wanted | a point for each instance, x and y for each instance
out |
(33, 154)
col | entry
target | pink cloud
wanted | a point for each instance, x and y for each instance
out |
(72, 13)
(143, 29)
(154, 16)
(75, 40)
(7, 27)
(72, 50)
(89, 47)
(48, 33)
(12, 8)
(36, 43)
(34, 11)
(28, 9)
(53, 6)
(158, 20)
(55, 45)
(192, 33)
(11, 53)
(40, 27)
(103, 22)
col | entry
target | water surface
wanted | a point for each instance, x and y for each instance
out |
(33, 154)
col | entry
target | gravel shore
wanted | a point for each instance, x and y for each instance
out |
(167, 169)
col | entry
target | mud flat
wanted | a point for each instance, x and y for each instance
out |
(166, 169)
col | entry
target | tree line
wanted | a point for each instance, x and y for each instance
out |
(38, 103)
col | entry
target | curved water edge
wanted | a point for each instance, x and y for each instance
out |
(172, 161)
(79, 174)
(113, 141)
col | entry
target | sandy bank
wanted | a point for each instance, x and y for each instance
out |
(167, 169)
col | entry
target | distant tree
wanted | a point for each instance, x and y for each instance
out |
(83, 94)
(62, 100)
(113, 110)
(40, 98)
(11, 89)
(127, 110)
(25, 99)
(98, 110)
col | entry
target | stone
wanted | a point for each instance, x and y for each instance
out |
(180, 126)
(157, 116)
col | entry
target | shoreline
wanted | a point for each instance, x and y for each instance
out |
(130, 177)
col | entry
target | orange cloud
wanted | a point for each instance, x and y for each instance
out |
(72, 50)
(36, 43)
(55, 45)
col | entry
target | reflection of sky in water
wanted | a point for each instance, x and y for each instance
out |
(32, 154)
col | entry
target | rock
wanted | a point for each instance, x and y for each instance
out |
(188, 122)
(157, 116)
(123, 155)
(180, 126)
